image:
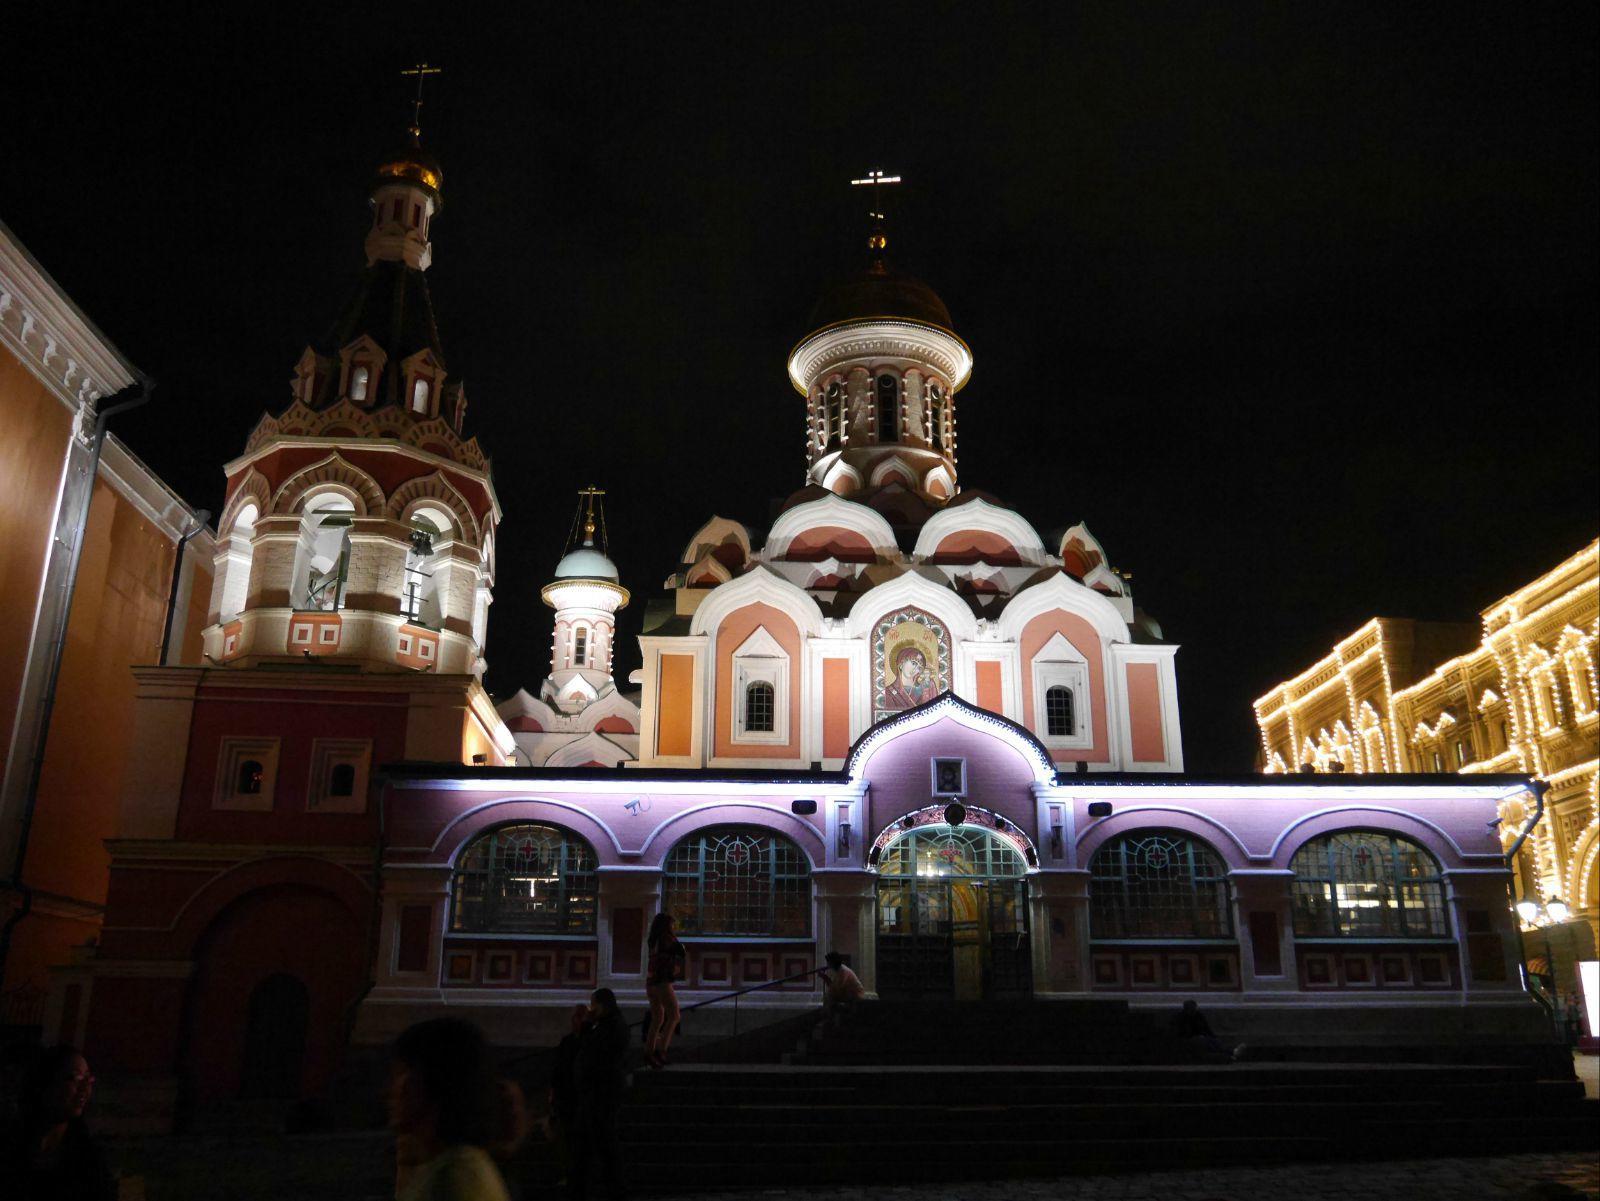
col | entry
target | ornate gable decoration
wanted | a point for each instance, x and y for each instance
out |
(435, 435)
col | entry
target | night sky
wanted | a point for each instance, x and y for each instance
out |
(1294, 305)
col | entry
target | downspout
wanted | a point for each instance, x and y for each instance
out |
(201, 516)
(1538, 788)
(130, 397)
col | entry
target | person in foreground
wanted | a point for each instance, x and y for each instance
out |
(842, 988)
(48, 1152)
(601, 1076)
(444, 1109)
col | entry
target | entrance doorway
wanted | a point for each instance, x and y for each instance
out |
(952, 916)
(275, 1038)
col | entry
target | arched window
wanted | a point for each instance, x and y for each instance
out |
(936, 416)
(1158, 884)
(580, 646)
(888, 409)
(251, 774)
(739, 881)
(1058, 712)
(833, 416)
(525, 879)
(359, 377)
(1367, 884)
(419, 396)
(760, 711)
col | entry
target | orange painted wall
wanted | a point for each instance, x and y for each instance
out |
(1144, 712)
(1082, 635)
(735, 628)
(835, 708)
(118, 609)
(675, 705)
(989, 695)
(31, 457)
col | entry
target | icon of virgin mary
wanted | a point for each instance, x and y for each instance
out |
(912, 684)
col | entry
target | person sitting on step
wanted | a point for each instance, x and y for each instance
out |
(842, 988)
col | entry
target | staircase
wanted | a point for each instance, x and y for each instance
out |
(930, 1092)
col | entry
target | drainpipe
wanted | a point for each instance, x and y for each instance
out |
(200, 518)
(1538, 788)
(130, 397)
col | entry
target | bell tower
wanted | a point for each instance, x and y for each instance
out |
(360, 520)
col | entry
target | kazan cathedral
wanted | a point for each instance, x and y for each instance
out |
(902, 723)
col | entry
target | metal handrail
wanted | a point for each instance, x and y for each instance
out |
(734, 996)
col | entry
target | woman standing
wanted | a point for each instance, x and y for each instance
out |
(666, 957)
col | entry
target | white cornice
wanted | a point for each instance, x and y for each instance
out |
(51, 335)
(146, 492)
(880, 338)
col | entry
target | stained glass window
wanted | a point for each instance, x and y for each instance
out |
(1058, 711)
(1367, 884)
(525, 879)
(942, 850)
(739, 881)
(1158, 884)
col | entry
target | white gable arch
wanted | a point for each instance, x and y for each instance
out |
(842, 479)
(979, 514)
(830, 510)
(894, 469)
(1061, 591)
(929, 593)
(760, 585)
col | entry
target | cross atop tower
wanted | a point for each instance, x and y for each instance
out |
(591, 512)
(876, 180)
(421, 71)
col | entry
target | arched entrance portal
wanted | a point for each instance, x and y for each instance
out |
(952, 912)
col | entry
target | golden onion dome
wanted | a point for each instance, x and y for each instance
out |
(413, 165)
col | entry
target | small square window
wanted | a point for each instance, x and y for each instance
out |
(247, 774)
(339, 774)
(328, 634)
(302, 633)
(425, 648)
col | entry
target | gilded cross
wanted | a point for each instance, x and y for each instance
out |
(876, 180)
(421, 71)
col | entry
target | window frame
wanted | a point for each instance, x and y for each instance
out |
(1124, 885)
(1330, 922)
(232, 753)
(577, 911)
(328, 754)
(760, 659)
(683, 871)
(897, 406)
(1059, 664)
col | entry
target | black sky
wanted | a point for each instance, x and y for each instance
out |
(1294, 305)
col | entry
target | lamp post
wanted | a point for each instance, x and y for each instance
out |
(1553, 912)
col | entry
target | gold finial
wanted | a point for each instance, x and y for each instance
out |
(877, 240)
(421, 71)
